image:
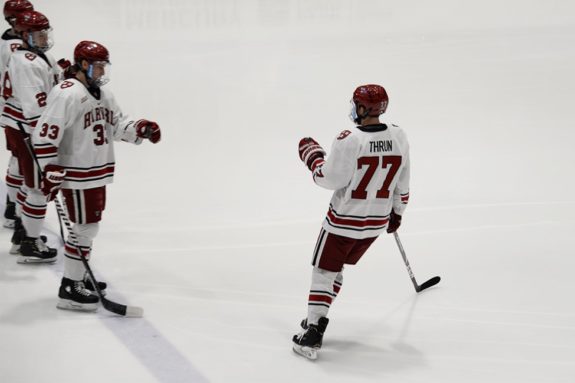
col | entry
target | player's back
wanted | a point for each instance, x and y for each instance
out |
(378, 156)
(381, 149)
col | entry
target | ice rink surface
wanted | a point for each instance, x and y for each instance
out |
(211, 231)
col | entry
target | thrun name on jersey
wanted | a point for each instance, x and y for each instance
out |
(380, 146)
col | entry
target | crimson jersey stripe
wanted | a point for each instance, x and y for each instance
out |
(86, 175)
(357, 222)
(405, 198)
(13, 112)
(45, 151)
(13, 181)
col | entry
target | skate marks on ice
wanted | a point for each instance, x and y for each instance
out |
(375, 348)
(155, 353)
(140, 337)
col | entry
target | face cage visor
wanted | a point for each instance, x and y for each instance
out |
(41, 40)
(99, 72)
(353, 112)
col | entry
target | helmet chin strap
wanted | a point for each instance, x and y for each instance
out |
(359, 118)
(90, 84)
(33, 47)
(354, 116)
(88, 75)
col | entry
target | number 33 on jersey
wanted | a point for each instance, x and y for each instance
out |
(76, 119)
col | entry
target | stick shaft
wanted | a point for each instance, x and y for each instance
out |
(406, 261)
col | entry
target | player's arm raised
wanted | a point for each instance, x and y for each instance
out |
(334, 172)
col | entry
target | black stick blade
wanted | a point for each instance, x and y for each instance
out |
(117, 308)
(432, 282)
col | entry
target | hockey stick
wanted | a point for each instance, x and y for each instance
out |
(116, 308)
(29, 146)
(61, 230)
(418, 288)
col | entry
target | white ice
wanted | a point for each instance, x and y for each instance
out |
(211, 231)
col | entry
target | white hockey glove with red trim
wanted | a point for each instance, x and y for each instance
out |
(53, 177)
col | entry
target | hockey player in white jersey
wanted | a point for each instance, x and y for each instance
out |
(9, 42)
(30, 75)
(368, 168)
(74, 143)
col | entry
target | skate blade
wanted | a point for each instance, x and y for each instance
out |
(307, 352)
(65, 304)
(9, 224)
(33, 260)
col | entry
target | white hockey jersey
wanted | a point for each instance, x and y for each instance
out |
(77, 130)
(8, 44)
(26, 83)
(368, 167)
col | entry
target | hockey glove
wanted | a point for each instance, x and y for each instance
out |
(148, 129)
(311, 153)
(68, 70)
(64, 63)
(394, 222)
(53, 177)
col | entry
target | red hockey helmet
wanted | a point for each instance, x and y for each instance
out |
(98, 58)
(31, 21)
(372, 97)
(13, 7)
(91, 51)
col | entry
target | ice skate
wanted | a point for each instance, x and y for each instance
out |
(17, 241)
(10, 215)
(18, 235)
(34, 250)
(74, 296)
(309, 341)
(101, 285)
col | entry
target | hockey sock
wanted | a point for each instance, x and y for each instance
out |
(34, 212)
(73, 266)
(13, 184)
(321, 294)
(21, 199)
(337, 284)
